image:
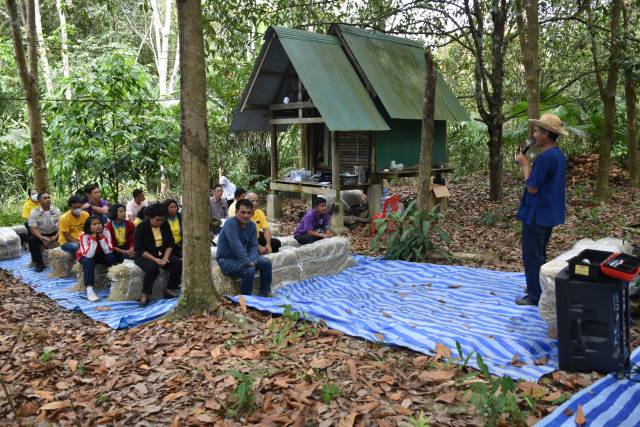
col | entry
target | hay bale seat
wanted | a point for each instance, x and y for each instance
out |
(126, 282)
(10, 245)
(100, 278)
(61, 263)
(293, 264)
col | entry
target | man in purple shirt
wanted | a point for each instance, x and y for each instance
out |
(315, 224)
(94, 205)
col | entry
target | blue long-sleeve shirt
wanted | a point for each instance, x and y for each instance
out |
(238, 242)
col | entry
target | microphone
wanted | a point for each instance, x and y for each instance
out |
(530, 143)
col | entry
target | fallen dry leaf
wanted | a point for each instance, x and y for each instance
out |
(103, 308)
(29, 409)
(52, 406)
(353, 372)
(348, 420)
(541, 361)
(42, 394)
(243, 304)
(174, 396)
(73, 365)
(442, 351)
(580, 418)
(440, 375)
(447, 396)
(321, 363)
(515, 361)
(532, 389)
(379, 336)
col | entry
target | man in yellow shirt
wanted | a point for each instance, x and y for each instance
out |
(71, 224)
(266, 243)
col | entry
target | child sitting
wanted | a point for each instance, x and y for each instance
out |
(315, 224)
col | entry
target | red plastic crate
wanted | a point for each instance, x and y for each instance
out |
(628, 270)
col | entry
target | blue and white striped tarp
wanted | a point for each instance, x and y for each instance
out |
(117, 315)
(419, 305)
(607, 402)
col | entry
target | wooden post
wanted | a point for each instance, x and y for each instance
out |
(274, 153)
(337, 219)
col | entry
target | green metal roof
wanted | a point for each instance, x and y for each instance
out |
(395, 69)
(331, 81)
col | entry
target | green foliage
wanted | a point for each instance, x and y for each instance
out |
(46, 356)
(118, 133)
(241, 400)
(462, 358)
(329, 392)
(288, 327)
(410, 235)
(418, 421)
(496, 399)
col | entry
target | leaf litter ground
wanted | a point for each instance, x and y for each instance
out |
(61, 367)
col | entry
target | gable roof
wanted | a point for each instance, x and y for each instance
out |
(326, 73)
(394, 68)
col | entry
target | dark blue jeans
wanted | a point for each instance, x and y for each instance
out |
(534, 254)
(89, 266)
(234, 268)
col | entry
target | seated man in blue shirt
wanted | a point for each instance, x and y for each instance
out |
(237, 253)
(543, 202)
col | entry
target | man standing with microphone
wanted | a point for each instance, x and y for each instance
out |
(543, 202)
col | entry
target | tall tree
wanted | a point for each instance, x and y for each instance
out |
(528, 34)
(198, 293)
(489, 78)
(64, 44)
(426, 144)
(631, 97)
(607, 90)
(42, 49)
(29, 78)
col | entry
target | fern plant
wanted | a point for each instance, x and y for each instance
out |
(411, 235)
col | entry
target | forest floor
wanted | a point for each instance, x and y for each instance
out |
(62, 367)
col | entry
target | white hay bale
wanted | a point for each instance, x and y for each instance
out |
(20, 229)
(126, 282)
(324, 257)
(289, 241)
(61, 262)
(101, 281)
(291, 264)
(10, 246)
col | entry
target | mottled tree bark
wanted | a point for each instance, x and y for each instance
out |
(631, 97)
(528, 35)
(426, 144)
(198, 294)
(29, 78)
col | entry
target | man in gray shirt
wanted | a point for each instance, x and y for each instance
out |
(218, 204)
(43, 227)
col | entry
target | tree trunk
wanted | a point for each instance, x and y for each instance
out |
(42, 49)
(29, 77)
(495, 160)
(631, 99)
(198, 294)
(161, 32)
(529, 46)
(608, 95)
(426, 145)
(64, 45)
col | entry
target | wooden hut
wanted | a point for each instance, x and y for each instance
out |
(357, 97)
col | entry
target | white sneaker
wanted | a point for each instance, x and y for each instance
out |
(91, 295)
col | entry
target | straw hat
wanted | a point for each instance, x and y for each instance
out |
(550, 122)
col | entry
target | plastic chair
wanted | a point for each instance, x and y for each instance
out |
(391, 204)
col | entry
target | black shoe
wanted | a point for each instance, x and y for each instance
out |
(39, 268)
(526, 300)
(266, 294)
(170, 293)
(144, 301)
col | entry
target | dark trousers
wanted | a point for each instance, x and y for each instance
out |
(118, 257)
(534, 254)
(275, 243)
(177, 250)
(234, 268)
(89, 265)
(305, 239)
(151, 271)
(35, 247)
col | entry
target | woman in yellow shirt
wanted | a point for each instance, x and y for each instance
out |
(174, 219)
(30, 204)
